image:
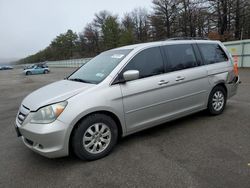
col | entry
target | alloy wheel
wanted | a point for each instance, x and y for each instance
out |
(218, 100)
(97, 138)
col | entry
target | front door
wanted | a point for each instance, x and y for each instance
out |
(142, 98)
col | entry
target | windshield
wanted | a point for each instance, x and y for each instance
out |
(98, 68)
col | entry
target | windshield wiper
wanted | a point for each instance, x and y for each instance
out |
(79, 80)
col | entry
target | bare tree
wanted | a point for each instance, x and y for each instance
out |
(90, 39)
(141, 24)
(164, 15)
(218, 19)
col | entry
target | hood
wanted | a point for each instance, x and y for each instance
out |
(53, 93)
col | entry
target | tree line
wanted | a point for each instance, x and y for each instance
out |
(214, 19)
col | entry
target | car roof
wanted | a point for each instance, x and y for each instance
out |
(160, 43)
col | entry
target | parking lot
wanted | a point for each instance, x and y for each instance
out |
(195, 151)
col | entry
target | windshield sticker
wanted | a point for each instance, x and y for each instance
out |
(100, 75)
(117, 56)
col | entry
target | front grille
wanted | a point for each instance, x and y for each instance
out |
(22, 114)
(21, 117)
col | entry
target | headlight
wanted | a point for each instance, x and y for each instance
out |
(48, 114)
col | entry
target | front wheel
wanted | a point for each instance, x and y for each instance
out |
(217, 100)
(28, 73)
(94, 137)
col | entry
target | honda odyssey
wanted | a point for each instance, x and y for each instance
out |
(123, 91)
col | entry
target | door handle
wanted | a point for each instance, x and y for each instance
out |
(163, 82)
(180, 78)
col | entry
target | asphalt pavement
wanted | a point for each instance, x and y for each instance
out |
(195, 151)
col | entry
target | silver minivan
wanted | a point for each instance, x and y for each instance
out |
(123, 91)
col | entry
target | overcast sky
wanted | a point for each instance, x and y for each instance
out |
(27, 26)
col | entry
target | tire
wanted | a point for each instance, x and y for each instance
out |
(86, 145)
(28, 73)
(217, 100)
(46, 72)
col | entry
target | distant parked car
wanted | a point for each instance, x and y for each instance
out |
(36, 70)
(28, 67)
(6, 68)
(42, 65)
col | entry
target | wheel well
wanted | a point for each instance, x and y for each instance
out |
(222, 85)
(112, 115)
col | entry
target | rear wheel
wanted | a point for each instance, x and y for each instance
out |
(46, 72)
(217, 100)
(94, 137)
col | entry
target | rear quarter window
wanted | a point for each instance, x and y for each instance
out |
(212, 53)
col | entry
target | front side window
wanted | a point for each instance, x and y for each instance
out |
(98, 68)
(180, 56)
(149, 62)
(212, 53)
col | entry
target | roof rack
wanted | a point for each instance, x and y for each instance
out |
(188, 38)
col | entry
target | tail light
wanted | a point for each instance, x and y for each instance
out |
(236, 71)
(235, 64)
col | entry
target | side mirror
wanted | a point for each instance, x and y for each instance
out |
(131, 75)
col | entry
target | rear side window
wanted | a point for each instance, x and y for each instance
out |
(180, 56)
(149, 62)
(212, 53)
